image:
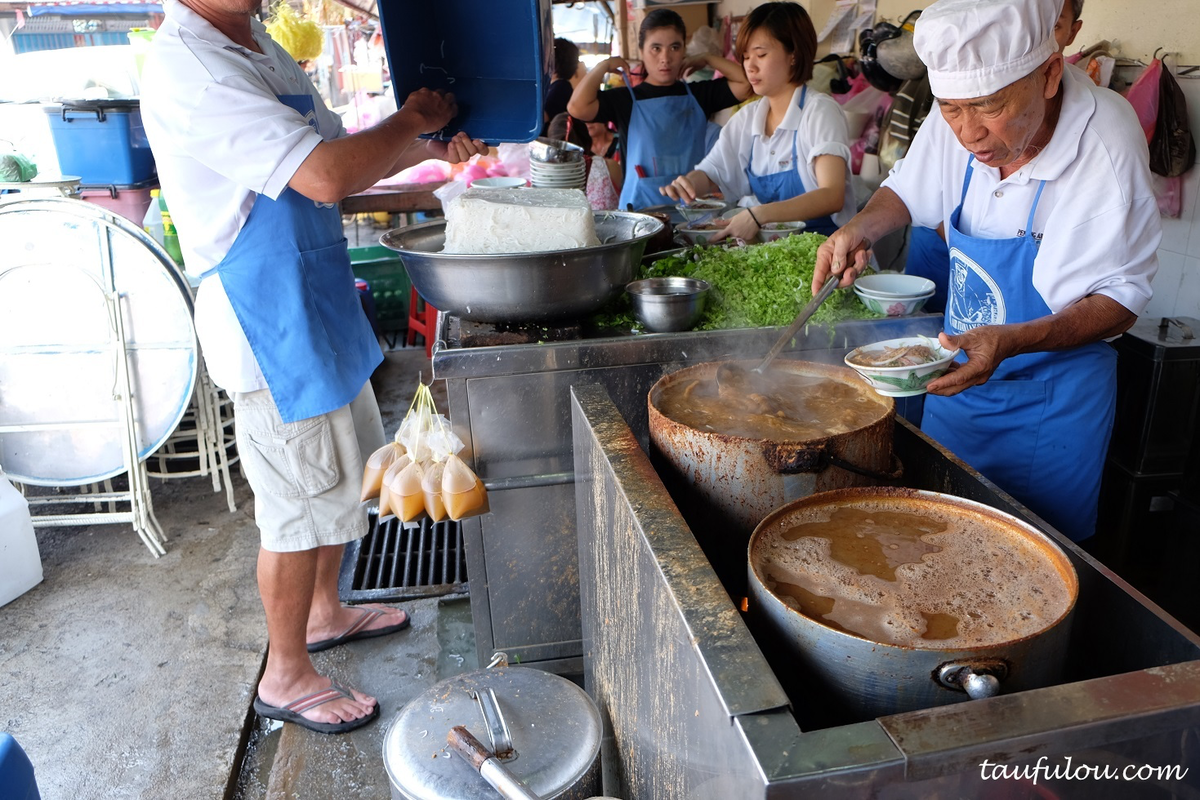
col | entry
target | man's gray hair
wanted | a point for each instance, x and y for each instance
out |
(1077, 8)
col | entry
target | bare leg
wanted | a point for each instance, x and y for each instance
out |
(328, 617)
(286, 581)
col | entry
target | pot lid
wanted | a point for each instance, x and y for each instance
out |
(553, 725)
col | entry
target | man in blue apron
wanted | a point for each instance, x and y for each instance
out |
(1043, 184)
(253, 162)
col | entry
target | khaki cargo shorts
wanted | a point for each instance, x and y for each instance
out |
(306, 475)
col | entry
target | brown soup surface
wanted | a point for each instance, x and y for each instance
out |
(781, 405)
(934, 579)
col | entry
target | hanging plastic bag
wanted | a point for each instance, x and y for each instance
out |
(431, 488)
(1142, 94)
(406, 496)
(377, 464)
(462, 492)
(385, 485)
(1172, 148)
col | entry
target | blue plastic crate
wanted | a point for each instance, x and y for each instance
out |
(498, 70)
(102, 142)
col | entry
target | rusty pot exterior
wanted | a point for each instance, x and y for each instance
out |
(864, 679)
(746, 479)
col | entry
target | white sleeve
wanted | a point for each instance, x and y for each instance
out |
(928, 171)
(240, 130)
(823, 128)
(726, 163)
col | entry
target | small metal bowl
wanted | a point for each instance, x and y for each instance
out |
(664, 305)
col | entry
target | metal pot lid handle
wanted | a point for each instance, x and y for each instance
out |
(979, 679)
(497, 727)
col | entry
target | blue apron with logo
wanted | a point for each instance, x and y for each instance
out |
(289, 280)
(1039, 428)
(666, 140)
(786, 184)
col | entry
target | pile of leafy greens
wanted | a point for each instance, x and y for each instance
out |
(753, 286)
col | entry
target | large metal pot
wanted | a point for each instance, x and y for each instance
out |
(724, 485)
(542, 727)
(524, 287)
(858, 678)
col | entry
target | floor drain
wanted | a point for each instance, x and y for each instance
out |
(398, 562)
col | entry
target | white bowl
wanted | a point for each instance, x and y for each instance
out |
(695, 236)
(771, 231)
(894, 284)
(904, 380)
(499, 183)
(700, 207)
(892, 306)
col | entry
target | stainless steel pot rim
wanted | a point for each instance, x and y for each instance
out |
(645, 227)
(901, 493)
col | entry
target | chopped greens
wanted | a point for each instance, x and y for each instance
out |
(753, 286)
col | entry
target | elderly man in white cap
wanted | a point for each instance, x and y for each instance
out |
(1042, 181)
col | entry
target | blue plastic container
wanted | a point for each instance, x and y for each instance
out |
(16, 773)
(495, 59)
(103, 142)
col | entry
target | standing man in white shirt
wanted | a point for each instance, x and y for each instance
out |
(253, 163)
(1043, 183)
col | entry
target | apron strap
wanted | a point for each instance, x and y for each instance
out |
(966, 179)
(1033, 208)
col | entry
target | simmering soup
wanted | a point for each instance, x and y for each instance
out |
(934, 579)
(781, 405)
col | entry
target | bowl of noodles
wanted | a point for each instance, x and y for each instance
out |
(901, 367)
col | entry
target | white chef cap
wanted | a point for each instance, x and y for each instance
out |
(974, 48)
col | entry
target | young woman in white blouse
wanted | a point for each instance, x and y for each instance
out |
(785, 157)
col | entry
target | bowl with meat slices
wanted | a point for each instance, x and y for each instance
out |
(901, 367)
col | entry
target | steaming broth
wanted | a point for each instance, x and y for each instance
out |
(931, 579)
(781, 405)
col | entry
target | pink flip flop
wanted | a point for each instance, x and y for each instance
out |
(359, 630)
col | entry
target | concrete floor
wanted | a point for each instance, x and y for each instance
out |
(128, 676)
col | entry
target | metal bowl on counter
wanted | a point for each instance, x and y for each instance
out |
(524, 287)
(665, 305)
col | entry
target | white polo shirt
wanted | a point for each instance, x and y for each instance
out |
(818, 129)
(1097, 218)
(220, 138)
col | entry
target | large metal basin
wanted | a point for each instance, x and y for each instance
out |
(525, 287)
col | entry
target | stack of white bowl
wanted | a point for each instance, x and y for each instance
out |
(894, 293)
(556, 165)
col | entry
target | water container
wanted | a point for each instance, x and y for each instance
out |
(20, 563)
(170, 235)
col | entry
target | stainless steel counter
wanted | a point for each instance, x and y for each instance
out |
(697, 707)
(511, 406)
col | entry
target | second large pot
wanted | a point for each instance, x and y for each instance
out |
(1011, 589)
(724, 485)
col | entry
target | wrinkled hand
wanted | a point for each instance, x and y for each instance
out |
(846, 252)
(985, 347)
(434, 108)
(740, 226)
(680, 189)
(460, 148)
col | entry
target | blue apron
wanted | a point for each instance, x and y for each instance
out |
(929, 257)
(289, 280)
(786, 184)
(666, 140)
(1039, 428)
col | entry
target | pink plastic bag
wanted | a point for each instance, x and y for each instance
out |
(1142, 94)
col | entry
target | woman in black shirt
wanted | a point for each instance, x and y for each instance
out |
(661, 122)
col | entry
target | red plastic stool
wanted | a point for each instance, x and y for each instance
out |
(420, 321)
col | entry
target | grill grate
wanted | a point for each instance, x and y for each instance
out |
(399, 562)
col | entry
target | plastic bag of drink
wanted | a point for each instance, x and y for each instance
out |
(462, 492)
(377, 464)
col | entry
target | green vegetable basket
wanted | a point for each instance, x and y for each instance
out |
(384, 272)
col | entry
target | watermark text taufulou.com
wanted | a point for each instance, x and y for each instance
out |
(1067, 769)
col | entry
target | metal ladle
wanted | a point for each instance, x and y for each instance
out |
(805, 313)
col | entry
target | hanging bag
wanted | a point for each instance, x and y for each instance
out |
(1172, 148)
